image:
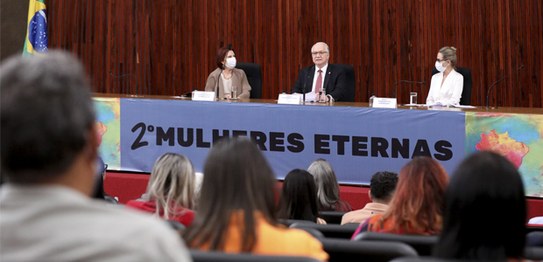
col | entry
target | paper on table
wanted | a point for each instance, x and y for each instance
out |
(309, 97)
(464, 106)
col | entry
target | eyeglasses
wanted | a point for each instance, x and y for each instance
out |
(440, 60)
(319, 53)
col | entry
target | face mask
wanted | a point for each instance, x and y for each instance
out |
(230, 62)
(439, 67)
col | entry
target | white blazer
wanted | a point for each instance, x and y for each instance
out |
(447, 94)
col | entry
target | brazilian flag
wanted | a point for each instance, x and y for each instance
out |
(36, 31)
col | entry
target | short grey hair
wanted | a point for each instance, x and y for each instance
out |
(47, 114)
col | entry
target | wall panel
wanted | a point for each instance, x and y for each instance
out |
(168, 47)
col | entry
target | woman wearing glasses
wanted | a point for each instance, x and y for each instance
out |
(446, 86)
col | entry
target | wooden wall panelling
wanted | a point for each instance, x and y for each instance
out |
(168, 47)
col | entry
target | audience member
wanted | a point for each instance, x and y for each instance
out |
(327, 187)
(236, 211)
(446, 86)
(299, 197)
(170, 192)
(98, 191)
(48, 155)
(382, 186)
(227, 80)
(322, 81)
(417, 205)
(485, 211)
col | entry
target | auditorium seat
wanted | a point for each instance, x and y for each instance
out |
(331, 217)
(289, 222)
(422, 244)
(201, 256)
(530, 254)
(466, 89)
(254, 77)
(533, 253)
(534, 239)
(329, 231)
(346, 250)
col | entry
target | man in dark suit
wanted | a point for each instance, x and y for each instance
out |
(323, 81)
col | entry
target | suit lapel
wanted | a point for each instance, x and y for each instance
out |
(329, 74)
(310, 79)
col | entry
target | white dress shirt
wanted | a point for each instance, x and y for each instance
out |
(54, 223)
(447, 94)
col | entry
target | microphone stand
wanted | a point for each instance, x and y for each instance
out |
(490, 89)
(304, 88)
(496, 83)
(217, 86)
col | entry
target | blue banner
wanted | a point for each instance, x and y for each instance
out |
(356, 141)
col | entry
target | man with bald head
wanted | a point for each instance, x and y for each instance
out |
(322, 81)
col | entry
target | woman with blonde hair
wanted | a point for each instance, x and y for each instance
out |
(417, 205)
(170, 192)
(447, 85)
(327, 187)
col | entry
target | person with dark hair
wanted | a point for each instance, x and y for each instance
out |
(299, 197)
(48, 155)
(417, 205)
(170, 191)
(236, 209)
(382, 186)
(327, 187)
(226, 79)
(485, 211)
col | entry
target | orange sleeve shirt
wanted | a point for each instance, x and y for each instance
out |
(276, 240)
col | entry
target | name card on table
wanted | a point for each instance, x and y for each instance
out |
(290, 99)
(383, 102)
(203, 96)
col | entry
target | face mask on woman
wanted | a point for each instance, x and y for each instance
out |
(230, 62)
(439, 66)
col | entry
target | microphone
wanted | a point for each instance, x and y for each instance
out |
(496, 83)
(304, 87)
(217, 85)
(403, 81)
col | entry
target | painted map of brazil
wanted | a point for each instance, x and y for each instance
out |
(518, 137)
(503, 144)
